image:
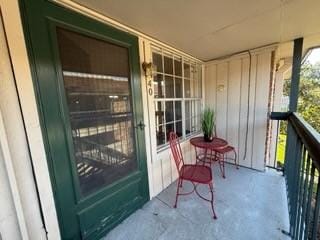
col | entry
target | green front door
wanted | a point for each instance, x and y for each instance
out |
(88, 89)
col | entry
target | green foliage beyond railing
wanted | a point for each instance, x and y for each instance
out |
(301, 170)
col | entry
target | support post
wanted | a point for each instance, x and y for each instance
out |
(295, 79)
(291, 167)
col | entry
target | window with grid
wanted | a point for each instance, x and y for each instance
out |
(177, 95)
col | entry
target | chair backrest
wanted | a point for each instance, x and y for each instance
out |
(176, 150)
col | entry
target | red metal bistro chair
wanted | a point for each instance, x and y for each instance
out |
(196, 174)
(217, 154)
(221, 156)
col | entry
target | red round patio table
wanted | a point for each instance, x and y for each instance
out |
(207, 147)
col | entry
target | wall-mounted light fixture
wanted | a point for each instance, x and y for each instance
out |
(220, 88)
(149, 69)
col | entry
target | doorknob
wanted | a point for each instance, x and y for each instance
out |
(141, 125)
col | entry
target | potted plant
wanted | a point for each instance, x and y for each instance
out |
(207, 124)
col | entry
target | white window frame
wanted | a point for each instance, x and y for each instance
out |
(199, 66)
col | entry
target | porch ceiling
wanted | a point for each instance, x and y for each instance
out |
(209, 29)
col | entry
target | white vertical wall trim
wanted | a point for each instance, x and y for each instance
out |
(12, 181)
(234, 87)
(228, 91)
(251, 96)
(144, 52)
(240, 101)
(210, 87)
(6, 78)
(222, 96)
(216, 84)
(243, 103)
(9, 225)
(254, 108)
(244, 107)
(156, 169)
(270, 108)
(261, 108)
(203, 74)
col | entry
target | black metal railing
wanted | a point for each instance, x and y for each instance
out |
(301, 171)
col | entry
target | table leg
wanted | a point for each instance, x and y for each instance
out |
(205, 156)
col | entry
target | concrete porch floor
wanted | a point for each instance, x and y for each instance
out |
(249, 205)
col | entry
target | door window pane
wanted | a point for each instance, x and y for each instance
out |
(157, 61)
(169, 112)
(195, 87)
(178, 87)
(187, 70)
(188, 126)
(160, 135)
(159, 110)
(199, 82)
(177, 67)
(158, 85)
(169, 87)
(178, 110)
(96, 79)
(168, 65)
(187, 88)
(179, 128)
(188, 109)
(169, 128)
(193, 116)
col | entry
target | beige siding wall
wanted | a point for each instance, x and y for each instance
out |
(9, 227)
(240, 99)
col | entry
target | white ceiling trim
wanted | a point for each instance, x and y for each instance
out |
(244, 54)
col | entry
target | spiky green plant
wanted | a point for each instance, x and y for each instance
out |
(207, 122)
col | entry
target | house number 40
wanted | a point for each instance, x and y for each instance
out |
(150, 90)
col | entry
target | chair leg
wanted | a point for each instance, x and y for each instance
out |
(181, 183)
(211, 190)
(221, 165)
(219, 162)
(205, 157)
(224, 172)
(235, 159)
(177, 194)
